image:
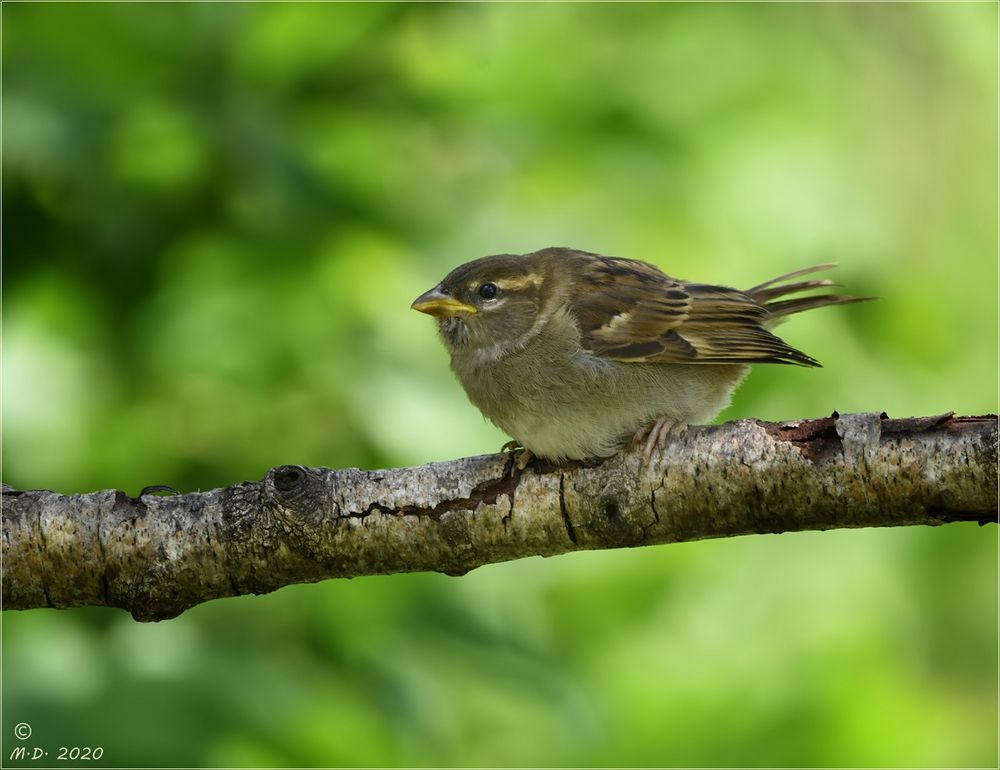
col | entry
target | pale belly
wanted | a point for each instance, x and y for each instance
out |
(584, 407)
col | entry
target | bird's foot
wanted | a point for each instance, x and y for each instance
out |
(654, 438)
(520, 457)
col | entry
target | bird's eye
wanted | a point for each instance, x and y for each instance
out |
(488, 290)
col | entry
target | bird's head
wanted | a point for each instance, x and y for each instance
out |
(489, 305)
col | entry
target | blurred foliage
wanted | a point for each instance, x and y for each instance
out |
(216, 217)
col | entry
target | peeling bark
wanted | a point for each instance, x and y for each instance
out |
(158, 556)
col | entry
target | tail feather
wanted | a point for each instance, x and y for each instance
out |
(794, 274)
(789, 306)
(763, 295)
(766, 293)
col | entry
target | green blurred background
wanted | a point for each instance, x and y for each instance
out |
(215, 219)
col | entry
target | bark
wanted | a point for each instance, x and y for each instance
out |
(157, 556)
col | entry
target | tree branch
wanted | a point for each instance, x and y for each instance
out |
(158, 556)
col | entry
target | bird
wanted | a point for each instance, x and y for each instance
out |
(575, 355)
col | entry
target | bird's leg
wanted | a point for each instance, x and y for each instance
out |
(654, 437)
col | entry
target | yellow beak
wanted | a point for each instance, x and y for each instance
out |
(435, 302)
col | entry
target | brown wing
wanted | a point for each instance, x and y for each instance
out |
(631, 311)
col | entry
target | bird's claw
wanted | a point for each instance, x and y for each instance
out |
(654, 438)
(520, 457)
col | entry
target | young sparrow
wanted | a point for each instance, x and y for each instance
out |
(573, 354)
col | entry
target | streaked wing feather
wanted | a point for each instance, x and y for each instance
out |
(632, 312)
